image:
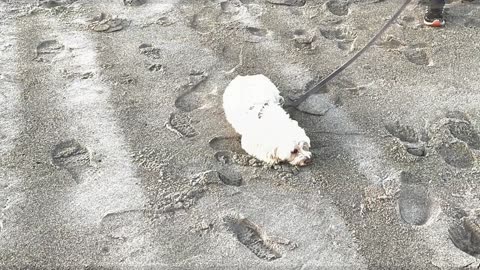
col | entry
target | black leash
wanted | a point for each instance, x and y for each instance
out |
(332, 75)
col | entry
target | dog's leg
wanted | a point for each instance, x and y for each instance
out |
(260, 150)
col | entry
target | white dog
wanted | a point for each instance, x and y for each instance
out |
(252, 105)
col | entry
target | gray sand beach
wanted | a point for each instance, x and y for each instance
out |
(115, 152)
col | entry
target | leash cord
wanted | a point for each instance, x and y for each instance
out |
(332, 75)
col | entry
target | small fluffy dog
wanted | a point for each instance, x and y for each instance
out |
(253, 106)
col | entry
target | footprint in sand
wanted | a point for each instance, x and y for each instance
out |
(194, 96)
(392, 43)
(235, 11)
(409, 22)
(230, 177)
(464, 131)
(155, 67)
(224, 157)
(231, 6)
(304, 40)
(151, 159)
(414, 204)
(456, 153)
(226, 143)
(149, 50)
(54, 3)
(229, 151)
(454, 137)
(297, 3)
(134, 2)
(408, 138)
(181, 124)
(123, 231)
(255, 34)
(403, 132)
(465, 235)
(344, 36)
(107, 23)
(198, 22)
(258, 32)
(338, 7)
(125, 79)
(417, 56)
(227, 148)
(48, 49)
(154, 54)
(72, 156)
(251, 236)
(472, 23)
(321, 103)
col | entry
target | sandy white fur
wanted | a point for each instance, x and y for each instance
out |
(252, 105)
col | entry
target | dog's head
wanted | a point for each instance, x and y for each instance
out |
(295, 153)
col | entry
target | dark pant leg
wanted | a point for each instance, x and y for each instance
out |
(437, 4)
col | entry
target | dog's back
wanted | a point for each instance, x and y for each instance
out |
(244, 96)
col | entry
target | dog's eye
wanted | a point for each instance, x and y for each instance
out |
(294, 151)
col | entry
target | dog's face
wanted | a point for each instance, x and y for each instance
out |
(295, 153)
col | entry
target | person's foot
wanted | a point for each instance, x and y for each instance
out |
(434, 18)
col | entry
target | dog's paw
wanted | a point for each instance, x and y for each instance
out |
(271, 162)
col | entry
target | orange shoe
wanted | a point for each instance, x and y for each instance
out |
(434, 18)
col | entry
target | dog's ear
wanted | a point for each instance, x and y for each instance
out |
(305, 145)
